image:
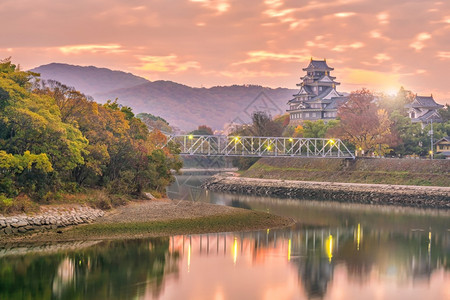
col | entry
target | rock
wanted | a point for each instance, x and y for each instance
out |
(20, 223)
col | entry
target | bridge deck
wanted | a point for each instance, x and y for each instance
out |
(251, 146)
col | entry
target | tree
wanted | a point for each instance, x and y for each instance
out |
(202, 130)
(155, 122)
(364, 125)
(53, 137)
(445, 113)
(262, 125)
(317, 129)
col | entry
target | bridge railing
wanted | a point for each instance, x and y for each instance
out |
(251, 146)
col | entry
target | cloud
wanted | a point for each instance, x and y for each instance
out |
(285, 15)
(78, 49)
(443, 54)
(170, 63)
(249, 74)
(344, 14)
(342, 48)
(383, 18)
(418, 44)
(382, 57)
(259, 56)
(221, 6)
(382, 81)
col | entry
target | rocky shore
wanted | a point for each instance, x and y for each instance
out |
(381, 194)
(48, 218)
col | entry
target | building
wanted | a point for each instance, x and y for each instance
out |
(317, 98)
(443, 147)
(424, 109)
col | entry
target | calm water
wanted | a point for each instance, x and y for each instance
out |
(336, 251)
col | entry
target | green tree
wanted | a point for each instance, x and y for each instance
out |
(318, 129)
(445, 113)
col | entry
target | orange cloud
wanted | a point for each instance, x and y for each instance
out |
(382, 57)
(342, 48)
(383, 18)
(344, 14)
(77, 49)
(169, 63)
(220, 6)
(418, 44)
(443, 54)
(381, 81)
(249, 74)
(258, 56)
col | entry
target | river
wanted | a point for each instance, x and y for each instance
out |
(335, 251)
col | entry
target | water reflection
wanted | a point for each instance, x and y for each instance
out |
(335, 251)
(295, 263)
(108, 270)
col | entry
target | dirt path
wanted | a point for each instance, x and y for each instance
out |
(162, 210)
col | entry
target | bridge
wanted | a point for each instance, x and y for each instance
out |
(256, 146)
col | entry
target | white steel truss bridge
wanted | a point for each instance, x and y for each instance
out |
(252, 146)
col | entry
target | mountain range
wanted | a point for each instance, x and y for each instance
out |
(182, 106)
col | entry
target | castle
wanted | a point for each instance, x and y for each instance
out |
(318, 98)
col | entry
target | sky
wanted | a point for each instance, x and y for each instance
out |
(380, 45)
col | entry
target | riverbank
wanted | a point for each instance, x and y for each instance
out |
(380, 194)
(361, 170)
(153, 218)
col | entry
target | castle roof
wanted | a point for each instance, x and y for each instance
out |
(336, 102)
(429, 115)
(424, 101)
(318, 65)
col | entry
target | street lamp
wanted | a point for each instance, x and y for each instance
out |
(431, 138)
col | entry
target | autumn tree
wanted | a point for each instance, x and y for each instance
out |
(364, 124)
(53, 138)
(155, 122)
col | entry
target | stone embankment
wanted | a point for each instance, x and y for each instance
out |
(48, 218)
(381, 194)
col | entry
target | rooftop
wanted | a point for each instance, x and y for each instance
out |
(318, 65)
(425, 101)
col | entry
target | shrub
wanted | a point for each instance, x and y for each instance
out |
(21, 204)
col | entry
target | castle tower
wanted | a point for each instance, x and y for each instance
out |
(317, 98)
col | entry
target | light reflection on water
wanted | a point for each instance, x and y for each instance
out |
(335, 251)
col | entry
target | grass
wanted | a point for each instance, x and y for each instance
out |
(238, 221)
(400, 172)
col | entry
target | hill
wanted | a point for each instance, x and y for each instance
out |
(182, 106)
(89, 80)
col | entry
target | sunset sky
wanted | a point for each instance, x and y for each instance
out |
(379, 44)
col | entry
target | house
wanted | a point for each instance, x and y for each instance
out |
(443, 147)
(317, 98)
(424, 109)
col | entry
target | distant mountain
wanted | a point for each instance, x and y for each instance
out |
(182, 106)
(89, 80)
